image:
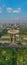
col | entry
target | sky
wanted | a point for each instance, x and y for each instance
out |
(13, 11)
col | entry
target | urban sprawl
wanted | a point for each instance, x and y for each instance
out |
(12, 36)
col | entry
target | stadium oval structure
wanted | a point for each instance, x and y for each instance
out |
(13, 31)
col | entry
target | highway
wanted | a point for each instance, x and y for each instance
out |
(13, 46)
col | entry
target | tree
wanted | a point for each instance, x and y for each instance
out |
(4, 31)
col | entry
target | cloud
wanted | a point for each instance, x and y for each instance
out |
(17, 11)
(0, 10)
(9, 10)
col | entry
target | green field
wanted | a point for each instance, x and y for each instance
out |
(14, 56)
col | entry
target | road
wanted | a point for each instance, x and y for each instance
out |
(13, 46)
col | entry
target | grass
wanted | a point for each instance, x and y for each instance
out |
(0, 30)
(23, 35)
(8, 34)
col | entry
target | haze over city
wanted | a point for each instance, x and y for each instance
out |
(13, 11)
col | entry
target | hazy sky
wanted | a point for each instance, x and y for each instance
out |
(13, 11)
